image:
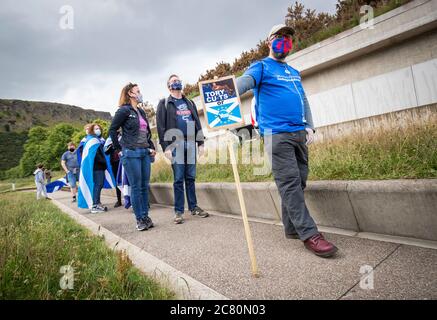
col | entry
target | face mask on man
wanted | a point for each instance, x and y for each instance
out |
(72, 149)
(281, 47)
(176, 85)
(98, 132)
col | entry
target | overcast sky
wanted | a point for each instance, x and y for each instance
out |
(114, 42)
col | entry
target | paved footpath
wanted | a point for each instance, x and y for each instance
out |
(214, 252)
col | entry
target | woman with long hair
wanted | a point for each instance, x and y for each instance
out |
(136, 149)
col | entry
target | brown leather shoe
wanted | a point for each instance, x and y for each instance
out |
(319, 246)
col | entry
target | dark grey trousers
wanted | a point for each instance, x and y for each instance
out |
(288, 156)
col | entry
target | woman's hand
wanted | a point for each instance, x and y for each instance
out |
(152, 152)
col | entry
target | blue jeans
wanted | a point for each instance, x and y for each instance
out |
(99, 179)
(136, 163)
(184, 170)
(73, 178)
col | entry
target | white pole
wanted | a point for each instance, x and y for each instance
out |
(255, 272)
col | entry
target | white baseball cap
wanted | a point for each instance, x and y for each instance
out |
(281, 27)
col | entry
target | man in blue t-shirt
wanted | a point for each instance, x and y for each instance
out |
(284, 118)
(71, 167)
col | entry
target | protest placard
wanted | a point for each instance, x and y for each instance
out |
(222, 107)
(221, 103)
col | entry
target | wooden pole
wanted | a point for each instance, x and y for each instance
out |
(254, 265)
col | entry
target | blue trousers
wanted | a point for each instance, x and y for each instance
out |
(99, 179)
(184, 172)
(136, 163)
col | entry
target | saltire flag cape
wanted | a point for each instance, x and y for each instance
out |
(80, 150)
(121, 177)
(56, 185)
(86, 181)
(123, 185)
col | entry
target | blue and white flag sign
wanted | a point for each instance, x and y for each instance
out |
(56, 185)
(221, 103)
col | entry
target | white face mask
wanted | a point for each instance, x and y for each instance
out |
(98, 132)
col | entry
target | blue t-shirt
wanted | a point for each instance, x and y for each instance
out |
(183, 115)
(70, 159)
(280, 101)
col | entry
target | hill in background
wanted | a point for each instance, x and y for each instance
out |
(18, 116)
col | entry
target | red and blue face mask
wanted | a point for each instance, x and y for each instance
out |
(282, 45)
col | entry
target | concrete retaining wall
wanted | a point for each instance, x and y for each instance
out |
(405, 208)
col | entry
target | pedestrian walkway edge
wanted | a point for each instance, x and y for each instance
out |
(185, 287)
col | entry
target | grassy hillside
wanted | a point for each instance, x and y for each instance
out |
(20, 116)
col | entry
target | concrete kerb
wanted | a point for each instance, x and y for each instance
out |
(257, 199)
(404, 208)
(211, 196)
(184, 286)
(329, 204)
(162, 193)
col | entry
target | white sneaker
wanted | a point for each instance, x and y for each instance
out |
(97, 209)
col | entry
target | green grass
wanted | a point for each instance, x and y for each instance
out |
(409, 153)
(6, 185)
(37, 239)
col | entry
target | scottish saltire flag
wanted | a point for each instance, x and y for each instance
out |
(123, 185)
(222, 103)
(82, 145)
(220, 115)
(107, 145)
(56, 185)
(86, 183)
(79, 150)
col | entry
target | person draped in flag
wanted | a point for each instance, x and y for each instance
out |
(179, 131)
(95, 172)
(136, 149)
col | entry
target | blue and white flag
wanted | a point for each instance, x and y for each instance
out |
(107, 145)
(56, 185)
(124, 185)
(79, 150)
(86, 181)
